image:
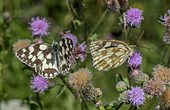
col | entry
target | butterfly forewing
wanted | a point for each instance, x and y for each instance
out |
(33, 55)
(109, 54)
(48, 60)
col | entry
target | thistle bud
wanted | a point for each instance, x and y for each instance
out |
(6, 15)
(113, 5)
(124, 4)
(166, 37)
(121, 86)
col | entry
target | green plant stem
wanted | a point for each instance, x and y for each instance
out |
(38, 100)
(128, 35)
(117, 108)
(115, 101)
(166, 49)
(69, 87)
(148, 107)
(99, 22)
(84, 21)
(2, 63)
(168, 64)
(73, 12)
(124, 28)
(83, 102)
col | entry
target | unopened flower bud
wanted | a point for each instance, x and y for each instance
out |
(121, 86)
(113, 5)
(51, 83)
(166, 37)
(124, 4)
(6, 15)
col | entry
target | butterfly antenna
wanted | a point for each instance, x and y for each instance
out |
(140, 37)
(56, 36)
(48, 39)
(146, 48)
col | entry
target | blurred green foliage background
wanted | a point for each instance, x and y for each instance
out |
(15, 83)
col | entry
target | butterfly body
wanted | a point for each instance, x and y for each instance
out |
(48, 60)
(109, 54)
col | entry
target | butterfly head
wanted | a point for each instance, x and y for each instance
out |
(55, 45)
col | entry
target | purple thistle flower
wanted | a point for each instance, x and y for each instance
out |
(39, 27)
(135, 60)
(137, 96)
(80, 52)
(39, 83)
(72, 37)
(166, 20)
(134, 17)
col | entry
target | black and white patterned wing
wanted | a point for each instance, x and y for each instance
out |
(32, 55)
(49, 67)
(67, 48)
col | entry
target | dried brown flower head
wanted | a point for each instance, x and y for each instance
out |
(80, 79)
(154, 87)
(162, 73)
(21, 44)
(166, 98)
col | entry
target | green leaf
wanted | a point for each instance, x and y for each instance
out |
(94, 37)
(127, 82)
(119, 77)
(77, 22)
(62, 88)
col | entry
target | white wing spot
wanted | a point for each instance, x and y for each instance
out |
(24, 50)
(51, 75)
(30, 56)
(33, 59)
(23, 55)
(43, 47)
(119, 53)
(46, 74)
(49, 56)
(120, 45)
(107, 44)
(31, 49)
(40, 56)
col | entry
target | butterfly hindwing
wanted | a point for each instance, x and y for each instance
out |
(67, 48)
(109, 54)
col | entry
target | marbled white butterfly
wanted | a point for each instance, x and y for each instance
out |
(109, 54)
(48, 60)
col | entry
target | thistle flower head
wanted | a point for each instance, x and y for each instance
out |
(113, 5)
(51, 83)
(80, 52)
(166, 98)
(39, 84)
(137, 96)
(124, 97)
(154, 87)
(135, 60)
(20, 44)
(39, 27)
(166, 20)
(162, 73)
(80, 79)
(134, 17)
(72, 37)
(121, 86)
(138, 76)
